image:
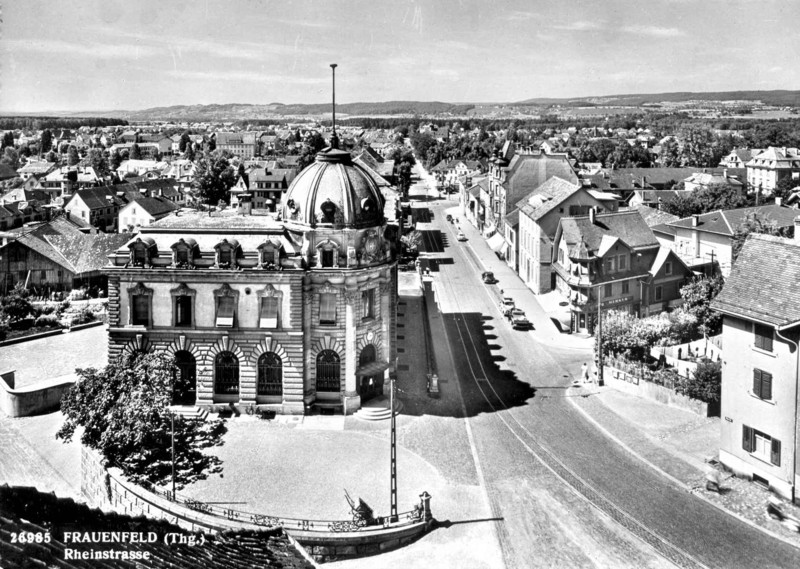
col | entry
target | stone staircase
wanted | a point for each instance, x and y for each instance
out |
(378, 409)
(191, 412)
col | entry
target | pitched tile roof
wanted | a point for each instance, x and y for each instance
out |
(543, 199)
(155, 206)
(762, 285)
(628, 226)
(726, 222)
(653, 216)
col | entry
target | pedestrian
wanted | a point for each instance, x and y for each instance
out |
(585, 373)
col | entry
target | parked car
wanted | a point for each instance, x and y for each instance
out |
(488, 277)
(449, 218)
(518, 320)
(461, 236)
(506, 305)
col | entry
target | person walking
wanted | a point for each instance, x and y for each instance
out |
(585, 373)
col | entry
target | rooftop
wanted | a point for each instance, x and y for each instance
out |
(228, 219)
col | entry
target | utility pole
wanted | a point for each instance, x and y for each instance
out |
(393, 455)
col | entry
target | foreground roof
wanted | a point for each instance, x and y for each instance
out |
(627, 226)
(763, 284)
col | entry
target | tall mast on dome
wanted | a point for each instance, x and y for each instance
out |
(334, 138)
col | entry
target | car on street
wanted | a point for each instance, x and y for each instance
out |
(506, 305)
(460, 236)
(449, 218)
(518, 320)
(488, 277)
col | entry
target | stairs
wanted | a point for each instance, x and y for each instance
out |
(191, 412)
(378, 409)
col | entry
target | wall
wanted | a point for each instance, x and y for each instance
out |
(776, 417)
(109, 490)
(32, 399)
(630, 384)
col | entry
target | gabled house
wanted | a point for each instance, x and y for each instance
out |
(99, 207)
(613, 261)
(700, 180)
(538, 218)
(265, 186)
(708, 238)
(739, 157)
(760, 304)
(143, 211)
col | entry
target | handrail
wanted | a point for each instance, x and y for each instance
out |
(358, 522)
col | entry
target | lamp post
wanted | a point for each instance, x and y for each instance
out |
(392, 455)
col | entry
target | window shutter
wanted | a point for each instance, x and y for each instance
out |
(775, 456)
(766, 385)
(757, 382)
(747, 438)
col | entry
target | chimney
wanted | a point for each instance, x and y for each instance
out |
(592, 215)
(695, 220)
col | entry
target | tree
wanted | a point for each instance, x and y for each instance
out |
(96, 158)
(719, 197)
(705, 383)
(755, 223)
(51, 157)
(697, 296)
(115, 159)
(136, 152)
(785, 187)
(214, 178)
(682, 205)
(123, 409)
(184, 142)
(72, 156)
(8, 139)
(47, 141)
(11, 157)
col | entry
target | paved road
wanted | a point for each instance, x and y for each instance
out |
(543, 463)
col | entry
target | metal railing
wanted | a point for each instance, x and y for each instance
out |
(358, 522)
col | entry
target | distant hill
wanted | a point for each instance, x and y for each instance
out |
(777, 98)
(236, 111)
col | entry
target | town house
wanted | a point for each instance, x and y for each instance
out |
(765, 170)
(760, 303)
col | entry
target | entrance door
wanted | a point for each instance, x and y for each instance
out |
(184, 387)
(370, 386)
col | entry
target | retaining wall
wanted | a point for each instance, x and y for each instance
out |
(631, 384)
(106, 488)
(32, 399)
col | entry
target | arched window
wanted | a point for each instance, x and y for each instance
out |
(270, 374)
(226, 374)
(328, 371)
(184, 386)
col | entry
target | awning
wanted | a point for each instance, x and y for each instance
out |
(496, 242)
(372, 368)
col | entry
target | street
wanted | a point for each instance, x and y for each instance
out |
(543, 463)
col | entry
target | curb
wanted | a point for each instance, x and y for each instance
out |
(677, 482)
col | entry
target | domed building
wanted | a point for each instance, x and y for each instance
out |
(283, 311)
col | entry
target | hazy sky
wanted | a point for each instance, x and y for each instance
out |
(134, 54)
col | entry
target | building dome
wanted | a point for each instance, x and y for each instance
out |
(333, 191)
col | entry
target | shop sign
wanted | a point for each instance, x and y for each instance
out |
(616, 301)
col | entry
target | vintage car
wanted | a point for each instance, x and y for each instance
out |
(518, 320)
(460, 236)
(506, 305)
(488, 277)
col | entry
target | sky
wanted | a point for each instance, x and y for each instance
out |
(66, 55)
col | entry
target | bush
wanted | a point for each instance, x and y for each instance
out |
(46, 320)
(705, 383)
(47, 309)
(22, 324)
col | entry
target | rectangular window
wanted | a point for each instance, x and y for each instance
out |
(761, 445)
(623, 262)
(608, 290)
(762, 384)
(368, 304)
(225, 310)
(668, 268)
(327, 258)
(269, 312)
(609, 264)
(327, 308)
(43, 275)
(224, 256)
(626, 287)
(141, 310)
(659, 293)
(183, 311)
(763, 338)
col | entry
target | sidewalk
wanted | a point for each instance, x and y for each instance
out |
(678, 443)
(540, 313)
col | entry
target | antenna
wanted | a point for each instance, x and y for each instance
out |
(334, 140)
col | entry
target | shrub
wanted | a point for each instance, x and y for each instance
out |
(704, 384)
(46, 320)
